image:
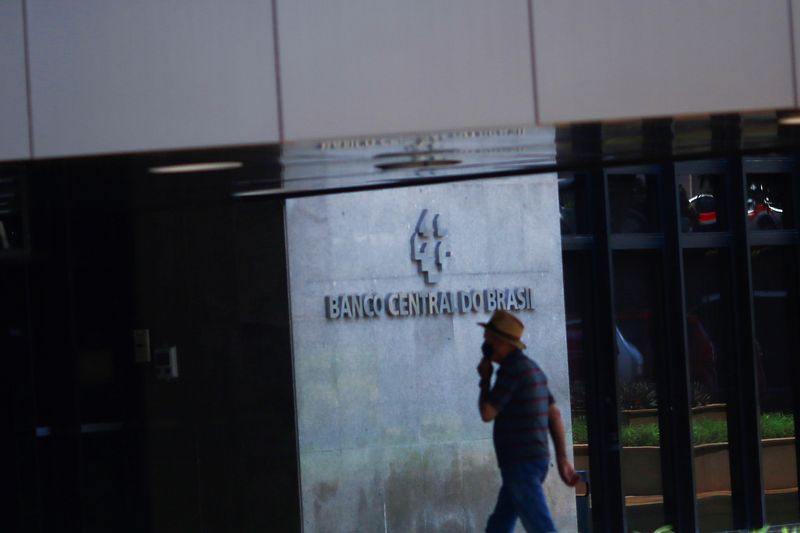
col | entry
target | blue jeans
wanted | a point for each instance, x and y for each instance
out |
(522, 496)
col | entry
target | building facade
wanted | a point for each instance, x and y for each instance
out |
(243, 249)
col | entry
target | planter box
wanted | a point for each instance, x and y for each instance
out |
(778, 463)
(641, 466)
(712, 467)
(635, 417)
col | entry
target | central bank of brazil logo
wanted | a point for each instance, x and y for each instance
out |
(429, 248)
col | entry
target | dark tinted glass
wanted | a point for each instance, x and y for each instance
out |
(769, 202)
(573, 204)
(103, 442)
(637, 289)
(775, 302)
(707, 326)
(633, 202)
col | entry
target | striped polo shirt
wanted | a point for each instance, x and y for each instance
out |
(522, 400)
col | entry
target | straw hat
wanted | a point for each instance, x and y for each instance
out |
(507, 327)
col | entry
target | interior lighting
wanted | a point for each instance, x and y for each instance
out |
(791, 120)
(196, 167)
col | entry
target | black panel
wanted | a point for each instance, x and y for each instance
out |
(98, 442)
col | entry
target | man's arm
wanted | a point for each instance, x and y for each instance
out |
(556, 425)
(487, 410)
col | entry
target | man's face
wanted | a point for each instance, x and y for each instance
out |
(500, 348)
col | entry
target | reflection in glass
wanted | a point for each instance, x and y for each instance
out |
(707, 326)
(572, 200)
(769, 199)
(637, 285)
(633, 203)
(701, 203)
(776, 320)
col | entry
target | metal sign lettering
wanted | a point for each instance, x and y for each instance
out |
(428, 247)
(431, 251)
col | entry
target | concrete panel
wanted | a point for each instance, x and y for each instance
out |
(388, 429)
(117, 76)
(630, 58)
(13, 86)
(367, 67)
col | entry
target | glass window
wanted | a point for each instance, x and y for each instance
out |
(633, 202)
(637, 289)
(573, 204)
(577, 298)
(769, 201)
(776, 318)
(702, 202)
(707, 289)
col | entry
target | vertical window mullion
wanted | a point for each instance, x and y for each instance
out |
(743, 415)
(608, 501)
(674, 412)
(795, 173)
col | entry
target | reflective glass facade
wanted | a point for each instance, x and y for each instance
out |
(682, 315)
(702, 311)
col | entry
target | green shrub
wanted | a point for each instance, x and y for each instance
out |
(708, 431)
(765, 529)
(773, 425)
(580, 434)
(641, 435)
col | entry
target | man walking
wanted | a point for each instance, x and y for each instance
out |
(524, 412)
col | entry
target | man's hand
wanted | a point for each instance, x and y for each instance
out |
(567, 472)
(485, 369)
(565, 469)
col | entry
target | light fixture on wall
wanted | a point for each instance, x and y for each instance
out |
(416, 163)
(196, 167)
(790, 120)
